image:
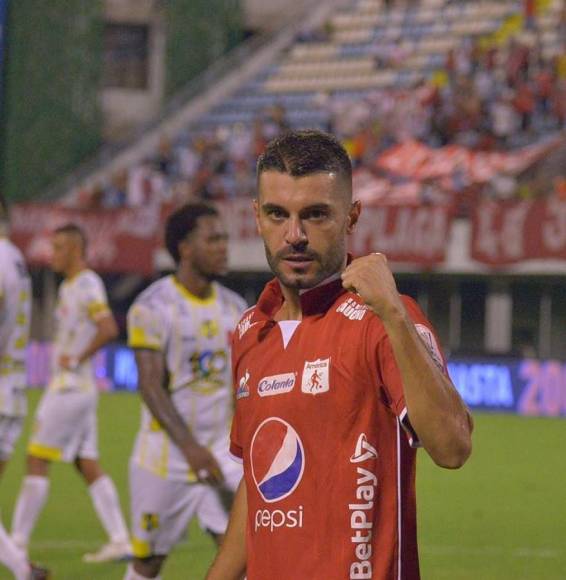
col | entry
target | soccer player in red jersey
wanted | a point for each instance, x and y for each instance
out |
(337, 379)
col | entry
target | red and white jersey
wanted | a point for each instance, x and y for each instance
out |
(321, 427)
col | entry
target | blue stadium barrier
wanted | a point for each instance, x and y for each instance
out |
(521, 386)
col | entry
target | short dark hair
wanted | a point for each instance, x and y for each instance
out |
(301, 153)
(182, 222)
(73, 229)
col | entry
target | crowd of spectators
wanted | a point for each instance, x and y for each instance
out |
(484, 98)
(499, 98)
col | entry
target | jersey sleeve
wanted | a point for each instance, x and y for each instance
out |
(146, 327)
(94, 299)
(236, 445)
(236, 449)
(390, 373)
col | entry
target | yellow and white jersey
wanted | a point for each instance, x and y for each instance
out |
(15, 316)
(194, 336)
(81, 303)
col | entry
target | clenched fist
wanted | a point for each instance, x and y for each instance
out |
(371, 278)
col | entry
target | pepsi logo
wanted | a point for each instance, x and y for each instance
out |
(277, 459)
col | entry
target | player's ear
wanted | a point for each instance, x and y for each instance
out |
(353, 216)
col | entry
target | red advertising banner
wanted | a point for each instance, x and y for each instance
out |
(413, 234)
(507, 232)
(239, 217)
(419, 162)
(126, 240)
(122, 240)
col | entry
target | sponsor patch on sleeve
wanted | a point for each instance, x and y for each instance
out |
(429, 341)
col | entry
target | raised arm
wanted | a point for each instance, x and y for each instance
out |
(436, 411)
(230, 562)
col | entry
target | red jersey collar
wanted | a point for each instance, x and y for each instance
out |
(316, 300)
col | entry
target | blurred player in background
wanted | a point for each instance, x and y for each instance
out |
(15, 317)
(337, 377)
(180, 328)
(65, 423)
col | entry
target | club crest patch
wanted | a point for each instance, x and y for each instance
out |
(316, 377)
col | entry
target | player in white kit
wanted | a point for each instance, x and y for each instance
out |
(180, 328)
(65, 422)
(15, 316)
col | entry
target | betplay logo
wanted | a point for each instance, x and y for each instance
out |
(361, 512)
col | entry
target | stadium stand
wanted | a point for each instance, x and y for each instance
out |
(479, 75)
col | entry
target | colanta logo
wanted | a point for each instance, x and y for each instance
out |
(276, 385)
(277, 459)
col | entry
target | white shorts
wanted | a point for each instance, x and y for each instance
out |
(65, 426)
(10, 431)
(162, 509)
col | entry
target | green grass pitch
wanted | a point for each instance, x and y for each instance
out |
(503, 516)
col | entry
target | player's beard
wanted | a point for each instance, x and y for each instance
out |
(329, 264)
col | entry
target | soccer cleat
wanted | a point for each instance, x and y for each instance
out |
(111, 552)
(38, 573)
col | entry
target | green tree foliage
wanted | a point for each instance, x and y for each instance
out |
(199, 32)
(51, 117)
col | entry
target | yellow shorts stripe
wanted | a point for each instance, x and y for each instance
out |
(45, 452)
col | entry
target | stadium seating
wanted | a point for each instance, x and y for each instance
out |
(364, 50)
(346, 60)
